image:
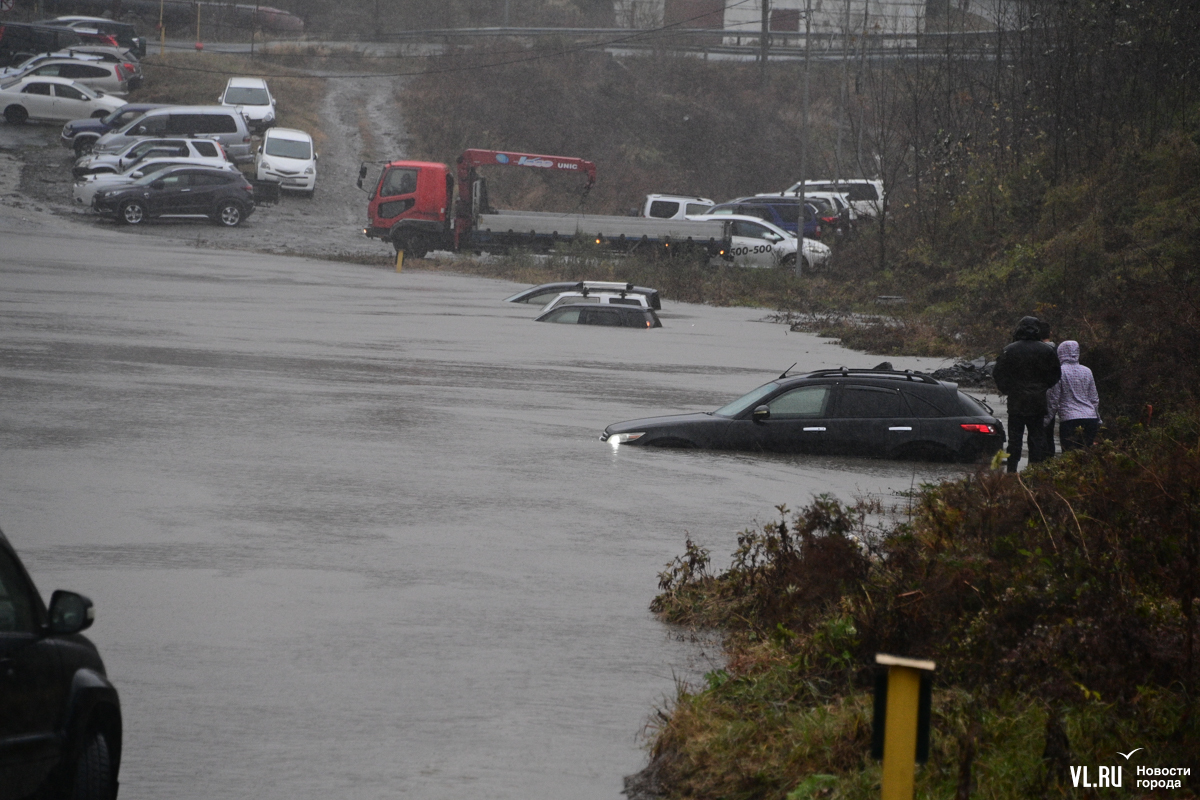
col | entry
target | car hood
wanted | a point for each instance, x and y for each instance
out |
(651, 423)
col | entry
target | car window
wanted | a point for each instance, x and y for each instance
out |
(208, 179)
(207, 149)
(48, 70)
(870, 402)
(287, 148)
(246, 96)
(37, 88)
(921, 407)
(697, 208)
(567, 315)
(751, 230)
(972, 406)
(624, 301)
(746, 401)
(600, 316)
(805, 401)
(665, 209)
(69, 92)
(177, 181)
(861, 191)
(757, 211)
(16, 605)
(151, 125)
(399, 181)
(634, 318)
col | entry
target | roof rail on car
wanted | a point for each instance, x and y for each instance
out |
(908, 374)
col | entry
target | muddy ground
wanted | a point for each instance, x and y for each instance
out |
(36, 178)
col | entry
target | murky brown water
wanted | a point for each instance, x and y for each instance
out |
(349, 532)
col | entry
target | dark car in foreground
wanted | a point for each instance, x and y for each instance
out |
(60, 717)
(224, 196)
(877, 413)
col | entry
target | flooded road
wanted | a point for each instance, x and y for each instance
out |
(350, 533)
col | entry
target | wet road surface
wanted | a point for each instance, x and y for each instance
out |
(350, 533)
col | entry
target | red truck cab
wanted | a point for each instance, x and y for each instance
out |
(413, 198)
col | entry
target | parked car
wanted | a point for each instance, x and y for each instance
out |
(81, 134)
(224, 196)
(674, 206)
(219, 123)
(141, 149)
(123, 33)
(614, 316)
(544, 293)
(20, 40)
(754, 242)
(253, 98)
(60, 729)
(286, 157)
(782, 212)
(105, 76)
(86, 187)
(865, 195)
(52, 100)
(876, 413)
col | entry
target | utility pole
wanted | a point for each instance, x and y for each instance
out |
(764, 42)
(802, 211)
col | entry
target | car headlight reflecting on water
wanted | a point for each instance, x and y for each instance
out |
(621, 438)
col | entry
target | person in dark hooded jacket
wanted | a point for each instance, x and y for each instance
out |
(1024, 371)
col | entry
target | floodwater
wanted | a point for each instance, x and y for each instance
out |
(350, 533)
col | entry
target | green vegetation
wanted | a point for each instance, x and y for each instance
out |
(1060, 606)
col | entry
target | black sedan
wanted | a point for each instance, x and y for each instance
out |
(224, 196)
(877, 413)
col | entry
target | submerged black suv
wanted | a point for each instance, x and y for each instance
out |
(877, 413)
(60, 718)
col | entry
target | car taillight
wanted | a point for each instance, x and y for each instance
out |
(974, 427)
(129, 68)
(121, 75)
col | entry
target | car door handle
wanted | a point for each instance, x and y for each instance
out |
(900, 428)
(814, 429)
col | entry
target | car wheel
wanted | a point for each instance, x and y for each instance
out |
(84, 146)
(230, 214)
(133, 212)
(805, 266)
(15, 115)
(94, 770)
(788, 261)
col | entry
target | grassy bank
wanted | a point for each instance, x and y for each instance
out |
(1060, 606)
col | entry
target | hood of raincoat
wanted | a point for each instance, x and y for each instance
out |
(1027, 329)
(1068, 352)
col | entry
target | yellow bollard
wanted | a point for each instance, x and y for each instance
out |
(399, 260)
(900, 731)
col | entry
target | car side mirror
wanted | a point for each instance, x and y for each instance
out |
(316, 156)
(362, 175)
(70, 612)
(761, 413)
(136, 174)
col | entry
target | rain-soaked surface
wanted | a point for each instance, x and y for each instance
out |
(350, 533)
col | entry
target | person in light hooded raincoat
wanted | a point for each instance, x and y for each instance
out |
(1074, 401)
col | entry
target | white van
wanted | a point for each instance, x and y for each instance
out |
(674, 206)
(865, 195)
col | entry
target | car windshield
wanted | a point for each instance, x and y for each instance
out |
(246, 96)
(10, 83)
(746, 401)
(288, 148)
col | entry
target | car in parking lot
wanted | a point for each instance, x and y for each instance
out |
(123, 33)
(86, 188)
(20, 40)
(614, 316)
(109, 77)
(225, 125)
(253, 98)
(60, 716)
(545, 292)
(782, 212)
(140, 149)
(81, 134)
(52, 100)
(286, 157)
(875, 413)
(754, 242)
(224, 196)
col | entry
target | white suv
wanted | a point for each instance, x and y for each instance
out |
(253, 99)
(142, 149)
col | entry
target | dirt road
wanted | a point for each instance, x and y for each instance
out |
(36, 178)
